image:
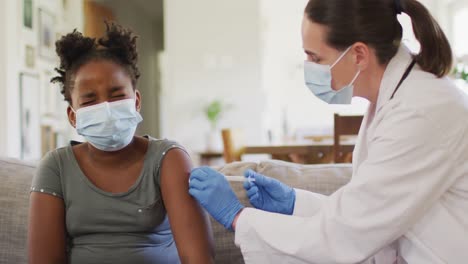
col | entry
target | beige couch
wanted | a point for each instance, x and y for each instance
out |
(15, 180)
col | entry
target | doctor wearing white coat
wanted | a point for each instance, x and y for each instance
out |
(407, 201)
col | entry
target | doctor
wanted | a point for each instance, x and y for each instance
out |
(409, 192)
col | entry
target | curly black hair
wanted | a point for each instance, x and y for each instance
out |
(75, 50)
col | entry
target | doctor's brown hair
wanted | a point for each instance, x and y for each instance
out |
(375, 23)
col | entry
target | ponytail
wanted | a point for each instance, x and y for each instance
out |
(436, 54)
(375, 23)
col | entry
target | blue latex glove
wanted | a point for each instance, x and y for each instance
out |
(269, 194)
(211, 189)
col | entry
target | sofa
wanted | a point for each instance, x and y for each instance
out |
(16, 176)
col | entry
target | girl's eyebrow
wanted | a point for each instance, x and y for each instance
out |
(88, 95)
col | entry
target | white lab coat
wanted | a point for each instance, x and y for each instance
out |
(409, 189)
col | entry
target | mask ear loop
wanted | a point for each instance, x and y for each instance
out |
(355, 77)
(341, 57)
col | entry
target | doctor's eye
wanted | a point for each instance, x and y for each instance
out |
(313, 58)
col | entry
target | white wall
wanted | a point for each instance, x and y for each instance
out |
(3, 82)
(12, 60)
(212, 51)
(11, 65)
(289, 100)
(458, 16)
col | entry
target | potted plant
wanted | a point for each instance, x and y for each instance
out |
(213, 112)
(460, 70)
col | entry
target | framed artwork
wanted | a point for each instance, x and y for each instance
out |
(28, 14)
(65, 9)
(46, 34)
(48, 139)
(30, 117)
(65, 4)
(30, 57)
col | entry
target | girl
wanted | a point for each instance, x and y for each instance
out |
(117, 198)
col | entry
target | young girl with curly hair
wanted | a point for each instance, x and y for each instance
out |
(118, 197)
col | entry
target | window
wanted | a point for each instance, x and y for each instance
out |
(460, 35)
(459, 38)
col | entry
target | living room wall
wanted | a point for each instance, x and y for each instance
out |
(212, 51)
(20, 52)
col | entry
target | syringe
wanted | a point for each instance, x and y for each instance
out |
(239, 179)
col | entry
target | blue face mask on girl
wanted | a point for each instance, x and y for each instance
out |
(108, 126)
(318, 79)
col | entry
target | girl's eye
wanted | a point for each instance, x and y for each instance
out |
(87, 103)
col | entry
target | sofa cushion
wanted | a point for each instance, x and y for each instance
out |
(15, 179)
(324, 179)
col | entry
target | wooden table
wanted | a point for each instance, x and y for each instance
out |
(306, 152)
(207, 157)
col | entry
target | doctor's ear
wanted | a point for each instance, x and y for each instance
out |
(362, 54)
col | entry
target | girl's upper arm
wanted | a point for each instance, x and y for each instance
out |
(189, 223)
(46, 231)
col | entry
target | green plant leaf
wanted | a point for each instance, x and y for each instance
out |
(464, 75)
(213, 111)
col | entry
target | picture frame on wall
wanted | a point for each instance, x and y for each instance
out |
(28, 13)
(65, 6)
(30, 116)
(30, 57)
(48, 139)
(46, 34)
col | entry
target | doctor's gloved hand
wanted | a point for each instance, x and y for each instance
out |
(269, 194)
(211, 189)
